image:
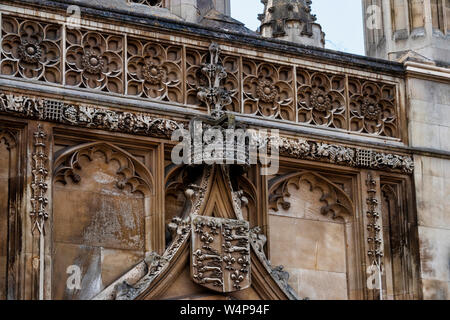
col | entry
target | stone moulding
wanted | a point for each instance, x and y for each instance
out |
(139, 123)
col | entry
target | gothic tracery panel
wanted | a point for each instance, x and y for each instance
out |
(316, 245)
(94, 60)
(31, 49)
(155, 71)
(373, 108)
(195, 78)
(268, 90)
(321, 99)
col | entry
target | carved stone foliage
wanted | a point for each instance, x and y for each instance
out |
(211, 69)
(221, 253)
(373, 108)
(336, 203)
(375, 239)
(144, 124)
(39, 186)
(321, 99)
(87, 116)
(155, 71)
(94, 60)
(268, 90)
(31, 49)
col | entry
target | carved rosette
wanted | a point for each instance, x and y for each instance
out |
(373, 108)
(321, 99)
(31, 49)
(220, 253)
(155, 71)
(94, 61)
(268, 90)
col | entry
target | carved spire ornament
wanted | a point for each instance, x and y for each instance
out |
(214, 94)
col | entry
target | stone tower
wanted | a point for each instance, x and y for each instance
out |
(397, 28)
(291, 20)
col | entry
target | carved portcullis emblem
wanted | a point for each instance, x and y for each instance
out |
(220, 254)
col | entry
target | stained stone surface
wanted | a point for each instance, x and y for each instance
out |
(97, 227)
(310, 246)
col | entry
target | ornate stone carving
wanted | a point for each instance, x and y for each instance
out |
(94, 61)
(268, 90)
(39, 186)
(321, 99)
(87, 116)
(213, 93)
(220, 258)
(373, 108)
(143, 124)
(155, 70)
(31, 49)
(127, 177)
(336, 203)
(375, 239)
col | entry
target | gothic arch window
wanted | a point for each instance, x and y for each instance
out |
(311, 234)
(102, 218)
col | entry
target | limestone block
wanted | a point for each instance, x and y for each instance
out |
(320, 285)
(425, 135)
(435, 254)
(307, 244)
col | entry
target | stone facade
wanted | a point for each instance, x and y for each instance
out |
(93, 206)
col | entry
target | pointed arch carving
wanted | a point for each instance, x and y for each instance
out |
(337, 204)
(133, 174)
(8, 137)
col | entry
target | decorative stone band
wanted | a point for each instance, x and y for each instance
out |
(144, 124)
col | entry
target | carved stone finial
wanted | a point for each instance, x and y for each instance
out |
(291, 20)
(214, 94)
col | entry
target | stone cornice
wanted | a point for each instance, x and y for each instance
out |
(140, 123)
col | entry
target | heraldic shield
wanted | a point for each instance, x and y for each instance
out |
(220, 253)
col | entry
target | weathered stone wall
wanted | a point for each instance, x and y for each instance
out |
(430, 128)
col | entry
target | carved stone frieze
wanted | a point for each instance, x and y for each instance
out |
(87, 116)
(144, 124)
(220, 258)
(137, 66)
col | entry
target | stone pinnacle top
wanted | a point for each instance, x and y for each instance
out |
(291, 20)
